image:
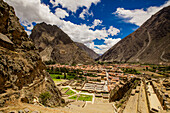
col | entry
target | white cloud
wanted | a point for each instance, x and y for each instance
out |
(108, 44)
(139, 16)
(96, 22)
(113, 31)
(28, 33)
(84, 13)
(61, 13)
(73, 5)
(82, 33)
(33, 11)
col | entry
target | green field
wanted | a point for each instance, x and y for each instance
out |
(54, 76)
(85, 97)
(70, 77)
(73, 97)
(70, 92)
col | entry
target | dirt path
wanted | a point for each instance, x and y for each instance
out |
(149, 37)
(162, 57)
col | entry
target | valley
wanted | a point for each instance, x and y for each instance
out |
(52, 65)
(100, 92)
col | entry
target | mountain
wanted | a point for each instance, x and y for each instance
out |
(150, 43)
(55, 45)
(23, 75)
(89, 51)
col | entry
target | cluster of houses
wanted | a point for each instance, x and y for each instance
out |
(99, 83)
(99, 73)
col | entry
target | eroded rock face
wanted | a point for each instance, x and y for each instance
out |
(22, 72)
(148, 44)
(53, 44)
(89, 51)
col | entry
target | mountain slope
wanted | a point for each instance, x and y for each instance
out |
(148, 44)
(53, 44)
(23, 75)
(89, 51)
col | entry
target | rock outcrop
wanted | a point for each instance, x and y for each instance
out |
(120, 90)
(54, 45)
(89, 51)
(148, 44)
(23, 75)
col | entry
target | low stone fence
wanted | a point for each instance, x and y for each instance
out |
(147, 100)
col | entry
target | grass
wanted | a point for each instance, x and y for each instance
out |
(57, 80)
(73, 97)
(77, 91)
(70, 77)
(54, 76)
(85, 97)
(70, 92)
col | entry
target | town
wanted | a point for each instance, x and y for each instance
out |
(122, 87)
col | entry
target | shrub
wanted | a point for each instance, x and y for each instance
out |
(58, 77)
(65, 76)
(44, 97)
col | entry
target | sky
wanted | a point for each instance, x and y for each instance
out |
(99, 24)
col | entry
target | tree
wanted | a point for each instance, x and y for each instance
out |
(58, 77)
(80, 76)
(75, 77)
(65, 76)
(146, 68)
(52, 68)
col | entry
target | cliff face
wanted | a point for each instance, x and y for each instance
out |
(53, 44)
(22, 72)
(89, 51)
(148, 44)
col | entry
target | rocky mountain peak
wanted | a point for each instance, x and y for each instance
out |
(50, 33)
(150, 43)
(55, 45)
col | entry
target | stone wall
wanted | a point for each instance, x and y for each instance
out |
(147, 100)
(119, 91)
